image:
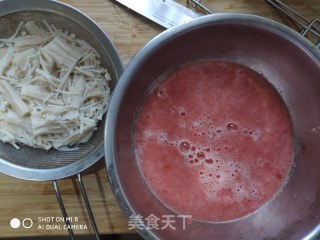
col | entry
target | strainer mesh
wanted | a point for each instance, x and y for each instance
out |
(38, 158)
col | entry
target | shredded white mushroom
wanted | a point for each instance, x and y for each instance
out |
(53, 90)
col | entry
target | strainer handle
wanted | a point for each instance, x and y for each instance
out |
(86, 201)
(89, 210)
(63, 209)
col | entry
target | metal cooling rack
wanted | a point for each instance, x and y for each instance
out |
(308, 28)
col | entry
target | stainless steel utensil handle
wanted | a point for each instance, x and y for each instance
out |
(89, 210)
(63, 210)
(305, 25)
(198, 4)
(86, 201)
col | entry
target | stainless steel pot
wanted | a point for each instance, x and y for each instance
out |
(291, 64)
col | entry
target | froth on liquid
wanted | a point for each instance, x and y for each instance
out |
(214, 140)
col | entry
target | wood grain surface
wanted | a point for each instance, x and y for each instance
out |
(129, 32)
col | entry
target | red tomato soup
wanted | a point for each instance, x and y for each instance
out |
(214, 140)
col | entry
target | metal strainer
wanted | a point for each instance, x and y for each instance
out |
(36, 164)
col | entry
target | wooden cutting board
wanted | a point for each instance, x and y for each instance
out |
(27, 200)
